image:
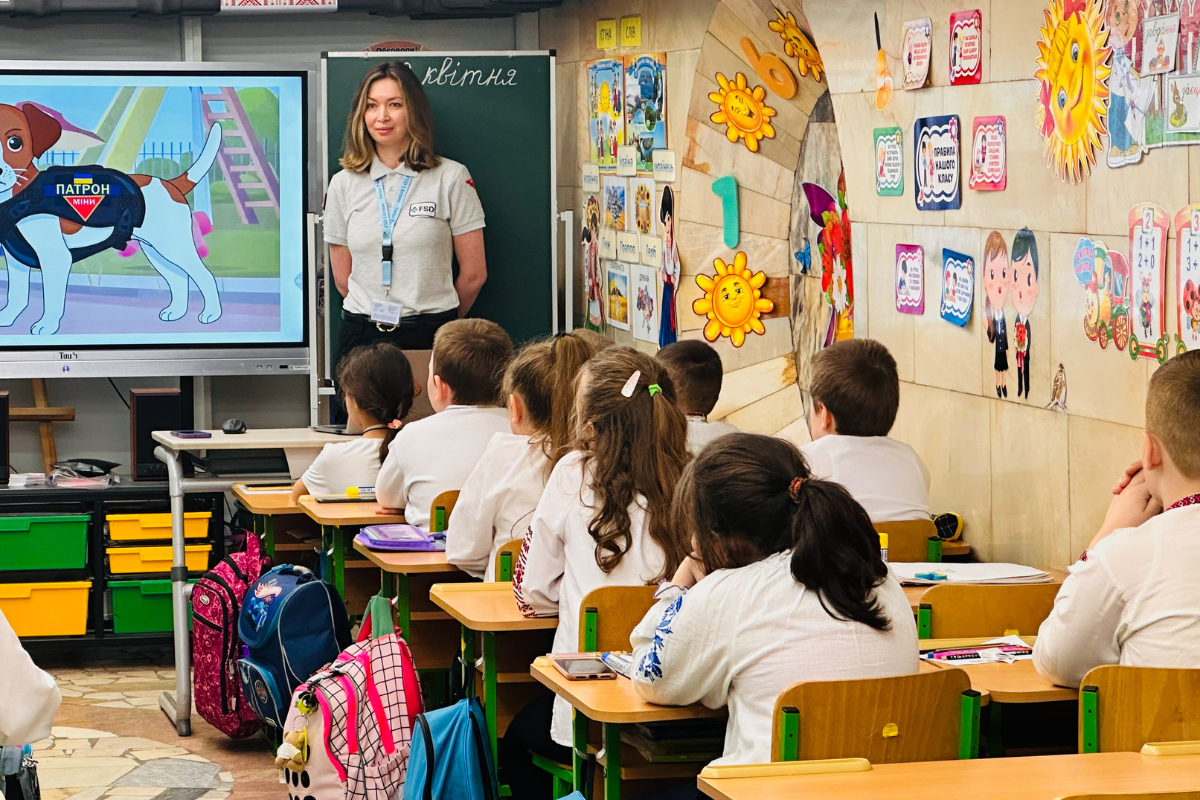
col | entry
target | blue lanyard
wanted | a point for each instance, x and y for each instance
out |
(388, 217)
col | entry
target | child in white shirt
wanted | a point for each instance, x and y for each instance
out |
(497, 501)
(29, 697)
(787, 586)
(855, 395)
(696, 369)
(436, 454)
(603, 520)
(1133, 598)
(378, 389)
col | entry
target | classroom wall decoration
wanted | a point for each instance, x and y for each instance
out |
(1104, 276)
(668, 322)
(641, 205)
(889, 161)
(732, 301)
(593, 281)
(1132, 96)
(797, 44)
(646, 106)
(1073, 69)
(989, 155)
(837, 263)
(1023, 261)
(645, 306)
(883, 75)
(726, 188)
(1148, 227)
(966, 46)
(617, 290)
(1160, 44)
(606, 123)
(743, 111)
(910, 279)
(615, 196)
(958, 287)
(936, 163)
(1187, 278)
(996, 279)
(917, 48)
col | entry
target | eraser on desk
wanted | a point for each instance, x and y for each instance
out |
(351, 491)
(931, 576)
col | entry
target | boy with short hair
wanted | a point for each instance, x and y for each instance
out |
(436, 454)
(1132, 598)
(855, 395)
(695, 369)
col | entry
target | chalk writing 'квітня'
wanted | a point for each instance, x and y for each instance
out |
(448, 75)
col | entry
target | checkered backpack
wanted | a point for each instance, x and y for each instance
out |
(352, 722)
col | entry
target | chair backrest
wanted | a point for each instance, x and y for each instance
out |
(909, 540)
(440, 509)
(965, 610)
(1123, 708)
(617, 611)
(1135, 796)
(506, 559)
(884, 720)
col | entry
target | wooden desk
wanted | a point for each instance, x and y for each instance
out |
(335, 519)
(488, 609)
(915, 593)
(346, 514)
(1017, 682)
(264, 504)
(1032, 778)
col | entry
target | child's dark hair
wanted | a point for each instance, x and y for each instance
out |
(695, 368)
(857, 381)
(635, 445)
(666, 206)
(1025, 243)
(380, 379)
(470, 355)
(543, 374)
(748, 496)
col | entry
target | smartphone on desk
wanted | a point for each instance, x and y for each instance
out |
(191, 434)
(584, 667)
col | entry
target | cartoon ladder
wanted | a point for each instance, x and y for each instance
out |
(250, 147)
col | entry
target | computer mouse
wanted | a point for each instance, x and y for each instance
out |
(234, 425)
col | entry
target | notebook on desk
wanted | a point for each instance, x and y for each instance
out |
(922, 573)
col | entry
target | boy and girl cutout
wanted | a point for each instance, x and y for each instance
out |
(1012, 277)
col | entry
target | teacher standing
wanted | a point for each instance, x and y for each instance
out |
(396, 216)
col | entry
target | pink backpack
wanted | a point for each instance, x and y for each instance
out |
(216, 604)
(358, 729)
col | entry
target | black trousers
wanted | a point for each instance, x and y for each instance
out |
(529, 732)
(413, 333)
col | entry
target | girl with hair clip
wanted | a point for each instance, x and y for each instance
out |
(378, 389)
(498, 499)
(603, 520)
(822, 603)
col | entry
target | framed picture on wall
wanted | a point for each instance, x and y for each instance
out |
(617, 289)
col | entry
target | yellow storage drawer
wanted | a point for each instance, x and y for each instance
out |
(46, 609)
(136, 560)
(133, 527)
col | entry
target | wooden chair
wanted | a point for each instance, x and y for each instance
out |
(956, 611)
(1123, 708)
(506, 559)
(1136, 796)
(911, 540)
(930, 716)
(440, 510)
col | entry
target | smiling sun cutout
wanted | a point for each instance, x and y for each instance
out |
(797, 45)
(1073, 92)
(732, 301)
(743, 110)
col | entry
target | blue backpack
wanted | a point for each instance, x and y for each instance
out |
(292, 625)
(450, 757)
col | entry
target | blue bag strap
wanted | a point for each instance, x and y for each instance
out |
(422, 725)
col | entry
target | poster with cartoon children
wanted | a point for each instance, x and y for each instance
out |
(1187, 278)
(591, 265)
(997, 280)
(1148, 226)
(606, 123)
(1023, 264)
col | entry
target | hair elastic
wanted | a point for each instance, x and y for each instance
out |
(395, 425)
(631, 385)
(794, 489)
(654, 389)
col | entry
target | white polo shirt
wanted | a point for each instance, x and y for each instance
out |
(441, 203)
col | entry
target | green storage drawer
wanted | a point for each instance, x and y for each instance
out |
(39, 543)
(142, 606)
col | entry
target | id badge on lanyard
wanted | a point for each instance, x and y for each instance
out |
(388, 217)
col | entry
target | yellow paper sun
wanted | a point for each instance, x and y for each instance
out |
(797, 45)
(743, 110)
(1073, 91)
(732, 301)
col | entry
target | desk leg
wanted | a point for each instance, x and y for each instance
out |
(268, 534)
(468, 662)
(579, 733)
(489, 689)
(179, 707)
(403, 611)
(995, 730)
(612, 759)
(332, 546)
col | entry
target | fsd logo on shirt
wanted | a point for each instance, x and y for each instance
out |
(422, 210)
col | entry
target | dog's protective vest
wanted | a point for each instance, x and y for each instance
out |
(93, 196)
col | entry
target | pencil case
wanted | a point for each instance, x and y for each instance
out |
(400, 537)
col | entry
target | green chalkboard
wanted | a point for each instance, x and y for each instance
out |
(494, 113)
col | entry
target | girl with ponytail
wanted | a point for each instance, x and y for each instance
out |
(498, 499)
(785, 584)
(604, 519)
(378, 389)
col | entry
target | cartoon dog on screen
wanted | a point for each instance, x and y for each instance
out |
(50, 219)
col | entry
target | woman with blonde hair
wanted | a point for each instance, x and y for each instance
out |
(396, 216)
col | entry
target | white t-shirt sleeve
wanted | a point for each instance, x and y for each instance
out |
(472, 526)
(335, 217)
(390, 488)
(681, 650)
(466, 212)
(28, 696)
(543, 557)
(316, 477)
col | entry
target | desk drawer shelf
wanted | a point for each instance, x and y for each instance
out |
(43, 542)
(46, 609)
(153, 526)
(152, 559)
(142, 606)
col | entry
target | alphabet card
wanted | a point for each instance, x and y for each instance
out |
(966, 45)
(910, 279)
(889, 161)
(1148, 226)
(918, 46)
(936, 163)
(1187, 277)
(989, 155)
(958, 287)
